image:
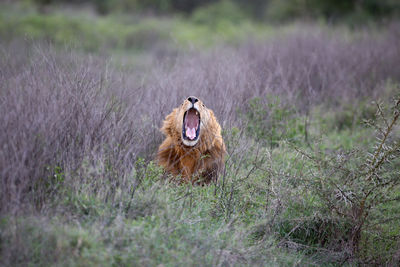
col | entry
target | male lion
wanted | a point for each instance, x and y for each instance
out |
(193, 147)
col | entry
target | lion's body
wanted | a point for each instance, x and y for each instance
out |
(200, 162)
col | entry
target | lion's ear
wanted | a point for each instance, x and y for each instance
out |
(168, 124)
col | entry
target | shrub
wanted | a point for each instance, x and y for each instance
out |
(55, 122)
(358, 187)
(219, 12)
(269, 121)
(352, 12)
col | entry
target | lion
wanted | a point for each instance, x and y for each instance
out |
(193, 147)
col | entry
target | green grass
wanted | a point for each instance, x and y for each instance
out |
(121, 32)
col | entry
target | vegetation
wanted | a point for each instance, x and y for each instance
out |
(127, 32)
(271, 10)
(310, 116)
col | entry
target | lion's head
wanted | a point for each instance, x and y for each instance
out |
(190, 119)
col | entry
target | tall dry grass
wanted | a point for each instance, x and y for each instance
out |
(62, 109)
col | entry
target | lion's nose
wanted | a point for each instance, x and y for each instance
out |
(192, 99)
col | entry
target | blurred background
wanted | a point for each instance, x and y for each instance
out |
(140, 25)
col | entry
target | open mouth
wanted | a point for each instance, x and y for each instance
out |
(191, 125)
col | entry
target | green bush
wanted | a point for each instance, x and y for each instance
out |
(219, 12)
(359, 186)
(352, 115)
(124, 32)
(271, 121)
(86, 33)
(352, 12)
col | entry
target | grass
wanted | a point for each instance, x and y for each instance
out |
(120, 32)
(244, 222)
(250, 217)
(79, 184)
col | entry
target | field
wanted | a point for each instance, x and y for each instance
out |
(310, 117)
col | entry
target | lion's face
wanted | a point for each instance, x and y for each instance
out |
(191, 117)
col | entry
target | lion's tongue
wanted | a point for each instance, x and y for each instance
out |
(191, 133)
(191, 124)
